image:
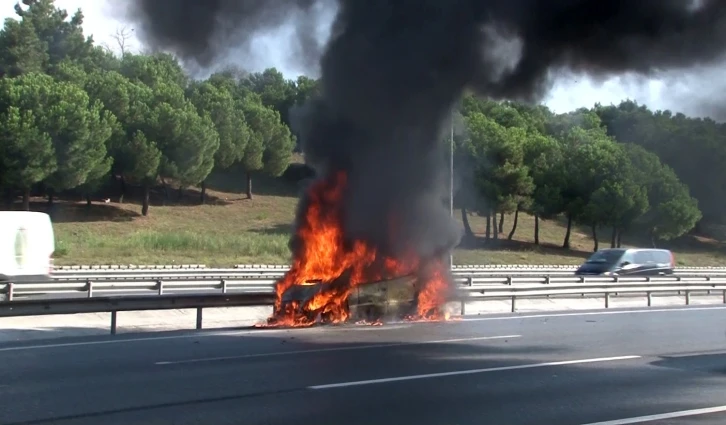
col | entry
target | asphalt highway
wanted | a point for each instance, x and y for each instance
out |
(615, 367)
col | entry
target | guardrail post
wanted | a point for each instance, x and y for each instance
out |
(10, 290)
(607, 300)
(160, 287)
(224, 286)
(724, 296)
(678, 279)
(650, 299)
(462, 307)
(688, 297)
(616, 279)
(113, 322)
(199, 318)
(514, 304)
(89, 288)
(547, 282)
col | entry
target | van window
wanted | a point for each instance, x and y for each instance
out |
(652, 257)
(662, 257)
(643, 257)
(606, 256)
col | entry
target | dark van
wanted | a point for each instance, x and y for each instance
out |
(628, 262)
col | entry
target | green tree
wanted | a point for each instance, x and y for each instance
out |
(274, 90)
(617, 203)
(545, 157)
(306, 88)
(502, 178)
(271, 144)
(695, 148)
(78, 128)
(590, 159)
(26, 153)
(672, 211)
(61, 38)
(145, 165)
(229, 122)
(136, 158)
(187, 140)
(21, 50)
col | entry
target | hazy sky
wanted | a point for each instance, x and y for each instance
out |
(695, 93)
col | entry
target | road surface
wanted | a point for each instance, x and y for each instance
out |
(616, 367)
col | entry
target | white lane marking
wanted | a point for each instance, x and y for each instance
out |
(158, 338)
(672, 415)
(589, 313)
(325, 350)
(470, 372)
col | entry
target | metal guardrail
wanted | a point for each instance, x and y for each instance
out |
(145, 285)
(513, 293)
(113, 305)
(90, 289)
(276, 271)
(528, 267)
(96, 297)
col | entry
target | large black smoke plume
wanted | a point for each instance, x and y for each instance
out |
(203, 32)
(392, 70)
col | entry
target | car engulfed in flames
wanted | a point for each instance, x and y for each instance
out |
(333, 281)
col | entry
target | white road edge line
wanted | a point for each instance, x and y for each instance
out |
(157, 338)
(470, 372)
(672, 415)
(325, 350)
(589, 313)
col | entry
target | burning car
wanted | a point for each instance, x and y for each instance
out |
(333, 280)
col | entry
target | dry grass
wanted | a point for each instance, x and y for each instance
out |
(689, 250)
(233, 230)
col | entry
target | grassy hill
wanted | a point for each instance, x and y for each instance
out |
(230, 229)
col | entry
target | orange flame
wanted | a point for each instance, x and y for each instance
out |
(324, 256)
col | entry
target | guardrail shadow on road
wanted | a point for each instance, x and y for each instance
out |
(309, 362)
(714, 363)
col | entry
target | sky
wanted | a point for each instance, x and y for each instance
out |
(696, 93)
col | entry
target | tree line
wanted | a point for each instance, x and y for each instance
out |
(74, 114)
(584, 165)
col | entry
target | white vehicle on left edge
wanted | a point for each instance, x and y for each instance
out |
(27, 244)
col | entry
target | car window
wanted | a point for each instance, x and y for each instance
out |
(629, 256)
(608, 256)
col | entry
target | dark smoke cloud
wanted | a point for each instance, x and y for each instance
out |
(205, 32)
(393, 69)
(604, 37)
